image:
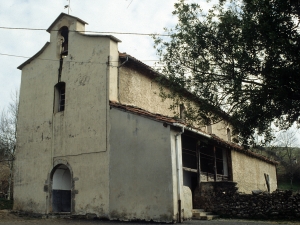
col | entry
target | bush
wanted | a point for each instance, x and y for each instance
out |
(6, 204)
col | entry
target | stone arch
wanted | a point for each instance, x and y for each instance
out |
(61, 189)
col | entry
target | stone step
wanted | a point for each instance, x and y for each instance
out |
(211, 217)
(207, 217)
(197, 210)
(200, 214)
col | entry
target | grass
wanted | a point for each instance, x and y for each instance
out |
(287, 186)
(6, 204)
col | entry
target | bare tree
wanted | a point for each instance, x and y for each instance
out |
(8, 137)
(286, 149)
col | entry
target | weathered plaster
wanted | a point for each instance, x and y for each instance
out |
(140, 90)
(91, 169)
(187, 203)
(249, 173)
(77, 134)
(140, 187)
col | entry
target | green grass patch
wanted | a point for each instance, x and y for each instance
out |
(287, 186)
(6, 204)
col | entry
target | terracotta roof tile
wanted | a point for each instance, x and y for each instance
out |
(239, 148)
(142, 112)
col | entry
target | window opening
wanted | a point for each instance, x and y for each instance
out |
(209, 129)
(207, 163)
(60, 97)
(189, 162)
(189, 146)
(182, 111)
(228, 135)
(219, 160)
(207, 160)
(225, 163)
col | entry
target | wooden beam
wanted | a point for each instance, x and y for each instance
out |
(189, 169)
(198, 162)
(215, 164)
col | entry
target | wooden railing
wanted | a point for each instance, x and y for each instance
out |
(205, 176)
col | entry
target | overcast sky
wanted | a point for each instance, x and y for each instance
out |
(137, 16)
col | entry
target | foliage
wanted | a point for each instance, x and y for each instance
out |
(8, 137)
(241, 57)
(287, 186)
(4, 177)
(6, 204)
(284, 150)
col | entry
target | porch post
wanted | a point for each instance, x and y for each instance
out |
(198, 162)
(229, 164)
(215, 164)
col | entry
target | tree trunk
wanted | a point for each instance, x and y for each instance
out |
(10, 179)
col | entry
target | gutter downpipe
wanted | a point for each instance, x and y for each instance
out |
(192, 130)
(179, 178)
(123, 62)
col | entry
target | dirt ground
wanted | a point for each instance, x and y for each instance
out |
(8, 218)
(5, 215)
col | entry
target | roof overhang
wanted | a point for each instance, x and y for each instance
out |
(100, 35)
(62, 15)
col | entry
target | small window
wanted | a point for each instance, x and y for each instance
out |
(209, 129)
(60, 97)
(228, 135)
(182, 111)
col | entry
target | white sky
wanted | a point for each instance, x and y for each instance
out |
(137, 16)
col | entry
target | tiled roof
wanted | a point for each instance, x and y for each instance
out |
(239, 148)
(174, 122)
(144, 113)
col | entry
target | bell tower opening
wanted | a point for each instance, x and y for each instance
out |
(64, 33)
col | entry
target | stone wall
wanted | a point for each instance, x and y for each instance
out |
(223, 199)
(132, 81)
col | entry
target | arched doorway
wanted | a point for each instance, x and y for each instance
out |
(61, 189)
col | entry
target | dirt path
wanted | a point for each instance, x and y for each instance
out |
(11, 219)
(5, 215)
